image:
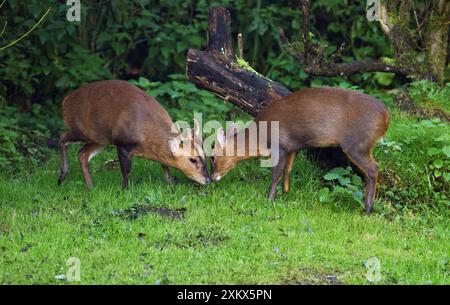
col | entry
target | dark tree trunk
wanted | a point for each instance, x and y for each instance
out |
(437, 38)
(217, 69)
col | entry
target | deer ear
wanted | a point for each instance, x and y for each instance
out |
(186, 136)
(220, 137)
(196, 129)
(176, 128)
(174, 145)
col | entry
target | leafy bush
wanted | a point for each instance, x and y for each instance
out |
(23, 135)
(59, 56)
(51, 61)
(439, 150)
(181, 98)
(342, 181)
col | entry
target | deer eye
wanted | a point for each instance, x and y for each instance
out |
(193, 160)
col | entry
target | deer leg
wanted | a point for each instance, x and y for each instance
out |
(84, 155)
(62, 148)
(287, 170)
(124, 154)
(167, 175)
(277, 172)
(64, 139)
(364, 161)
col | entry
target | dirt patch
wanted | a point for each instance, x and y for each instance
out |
(140, 210)
(307, 276)
(196, 238)
(206, 239)
(405, 103)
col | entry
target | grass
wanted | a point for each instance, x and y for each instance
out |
(229, 233)
(430, 95)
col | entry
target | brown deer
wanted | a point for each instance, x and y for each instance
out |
(316, 117)
(114, 112)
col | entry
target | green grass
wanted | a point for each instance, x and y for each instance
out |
(430, 95)
(230, 232)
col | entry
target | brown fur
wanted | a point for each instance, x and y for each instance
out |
(322, 117)
(118, 113)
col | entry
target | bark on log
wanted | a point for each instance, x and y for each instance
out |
(350, 68)
(216, 69)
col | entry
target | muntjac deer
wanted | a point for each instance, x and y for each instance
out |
(316, 117)
(114, 112)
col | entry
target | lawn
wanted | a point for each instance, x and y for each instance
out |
(228, 232)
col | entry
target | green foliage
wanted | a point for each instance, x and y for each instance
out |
(416, 169)
(342, 181)
(48, 63)
(79, 73)
(59, 56)
(439, 150)
(384, 78)
(346, 85)
(286, 70)
(430, 95)
(23, 135)
(181, 98)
